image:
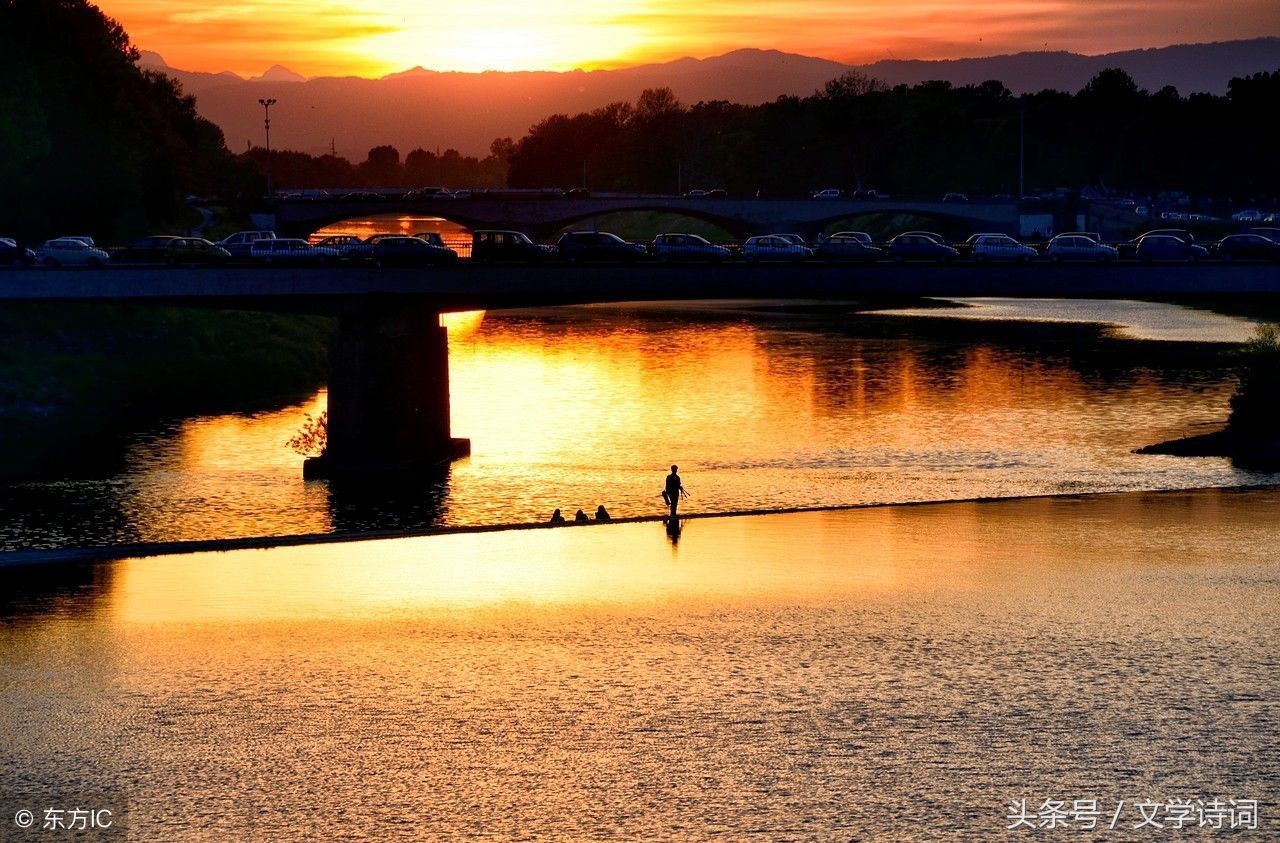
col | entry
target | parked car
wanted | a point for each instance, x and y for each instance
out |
(955, 197)
(1267, 232)
(577, 193)
(153, 249)
(582, 246)
(189, 250)
(829, 193)
(792, 238)
(674, 248)
(435, 239)
(70, 251)
(717, 193)
(284, 251)
(999, 247)
(492, 246)
(860, 236)
(1166, 247)
(410, 251)
(1129, 249)
(1092, 235)
(1078, 247)
(238, 244)
(921, 246)
(848, 246)
(1247, 247)
(774, 247)
(12, 254)
(341, 247)
(426, 193)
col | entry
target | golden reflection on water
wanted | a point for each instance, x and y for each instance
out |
(575, 407)
(809, 675)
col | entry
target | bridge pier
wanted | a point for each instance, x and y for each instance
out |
(388, 393)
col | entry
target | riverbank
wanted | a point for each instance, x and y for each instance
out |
(74, 375)
(1252, 453)
(889, 673)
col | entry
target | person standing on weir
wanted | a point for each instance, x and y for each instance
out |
(674, 490)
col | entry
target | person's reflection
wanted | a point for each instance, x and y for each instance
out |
(675, 528)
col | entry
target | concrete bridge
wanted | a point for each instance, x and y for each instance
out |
(540, 217)
(389, 372)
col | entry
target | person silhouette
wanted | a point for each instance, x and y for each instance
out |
(674, 490)
(556, 518)
(580, 517)
(602, 514)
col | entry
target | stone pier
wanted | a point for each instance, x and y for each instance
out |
(388, 392)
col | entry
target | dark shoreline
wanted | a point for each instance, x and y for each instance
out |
(1246, 452)
(18, 560)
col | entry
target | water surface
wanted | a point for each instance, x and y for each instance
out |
(762, 405)
(896, 673)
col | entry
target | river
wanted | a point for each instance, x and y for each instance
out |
(763, 405)
(901, 673)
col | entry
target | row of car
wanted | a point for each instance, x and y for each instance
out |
(495, 246)
(917, 246)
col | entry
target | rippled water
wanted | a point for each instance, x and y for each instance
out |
(897, 673)
(761, 406)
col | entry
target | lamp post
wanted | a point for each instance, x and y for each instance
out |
(266, 124)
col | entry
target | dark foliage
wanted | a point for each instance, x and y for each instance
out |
(858, 133)
(1253, 407)
(90, 143)
(383, 168)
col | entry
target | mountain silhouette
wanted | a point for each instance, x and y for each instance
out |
(466, 111)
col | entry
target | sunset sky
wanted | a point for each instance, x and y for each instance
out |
(340, 37)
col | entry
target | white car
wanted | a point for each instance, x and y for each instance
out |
(276, 251)
(671, 248)
(1000, 247)
(774, 247)
(1078, 247)
(70, 251)
(861, 236)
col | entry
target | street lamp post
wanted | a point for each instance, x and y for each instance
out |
(266, 124)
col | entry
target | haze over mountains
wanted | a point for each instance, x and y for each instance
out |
(466, 111)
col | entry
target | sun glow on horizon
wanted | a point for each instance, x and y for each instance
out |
(339, 37)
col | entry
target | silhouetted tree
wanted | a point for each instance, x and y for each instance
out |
(88, 140)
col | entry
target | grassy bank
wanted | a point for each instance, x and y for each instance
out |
(74, 376)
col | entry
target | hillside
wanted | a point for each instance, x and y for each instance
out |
(421, 108)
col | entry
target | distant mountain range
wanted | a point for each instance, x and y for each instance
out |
(466, 111)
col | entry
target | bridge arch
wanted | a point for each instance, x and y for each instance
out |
(540, 229)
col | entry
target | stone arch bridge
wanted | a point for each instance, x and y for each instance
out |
(541, 216)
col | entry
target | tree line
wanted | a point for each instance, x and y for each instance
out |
(858, 133)
(383, 167)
